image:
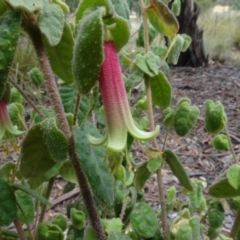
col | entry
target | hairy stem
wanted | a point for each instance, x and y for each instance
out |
(29, 101)
(35, 36)
(236, 225)
(19, 229)
(152, 124)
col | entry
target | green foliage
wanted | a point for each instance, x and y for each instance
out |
(162, 18)
(177, 168)
(220, 142)
(9, 29)
(8, 204)
(88, 52)
(61, 55)
(143, 220)
(92, 161)
(51, 22)
(36, 76)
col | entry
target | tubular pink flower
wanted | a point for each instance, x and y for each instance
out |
(7, 130)
(119, 120)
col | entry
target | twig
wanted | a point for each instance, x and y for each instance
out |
(31, 27)
(152, 124)
(31, 103)
(236, 225)
(20, 231)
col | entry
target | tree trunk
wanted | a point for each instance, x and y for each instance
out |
(195, 54)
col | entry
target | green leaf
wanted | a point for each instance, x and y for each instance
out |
(92, 161)
(93, 4)
(233, 176)
(196, 194)
(223, 189)
(144, 220)
(185, 118)
(26, 5)
(171, 197)
(162, 18)
(9, 29)
(112, 225)
(84, 108)
(88, 51)
(220, 142)
(60, 55)
(8, 208)
(55, 140)
(176, 7)
(168, 115)
(214, 116)
(140, 62)
(78, 218)
(49, 231)
(177, 169)
(35, 159)
(89, 234)
(152, 62)
(120, 32)
(118, 236)
(195, 225)
(161, 90)
(141, 176)
(6, 170)
(184, 233)
(216, 215)
(187, 42)
(154, 163)
(61, 221)
(176, 50)
(67, 172)
(51, 22)
(32, 193)
(26, 211)
(121, 7)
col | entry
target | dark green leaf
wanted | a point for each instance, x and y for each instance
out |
(8, 208)
(161, 90)
(88, 51)
(177, 169)
(223, 189)
(92, 161)
(61, 55)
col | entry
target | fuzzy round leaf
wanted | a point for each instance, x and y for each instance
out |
(161, 90)
(49, 231)
(51, 22)
(92, 161)
(78, 218)
(6, 170)
(67, 172)
(176, 50)
(15, 96)
(220, 142)
(184, 233)
(55, 140)
(35, 160)
(36, 76)
(223, 189)
(233, 176)
(88, 51)
(121, 8)
(27, 207)
(144, 220)
(8, 204)
(184, 118)
(162, 18)
(26, 5)
(216, 215)
(214, 116)
(140, 62)
(151, 35)
(187, 42)
(9, 29)
(176, 7)
(60, 56)
(61, 221)
(120, 32)
(93, 4)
